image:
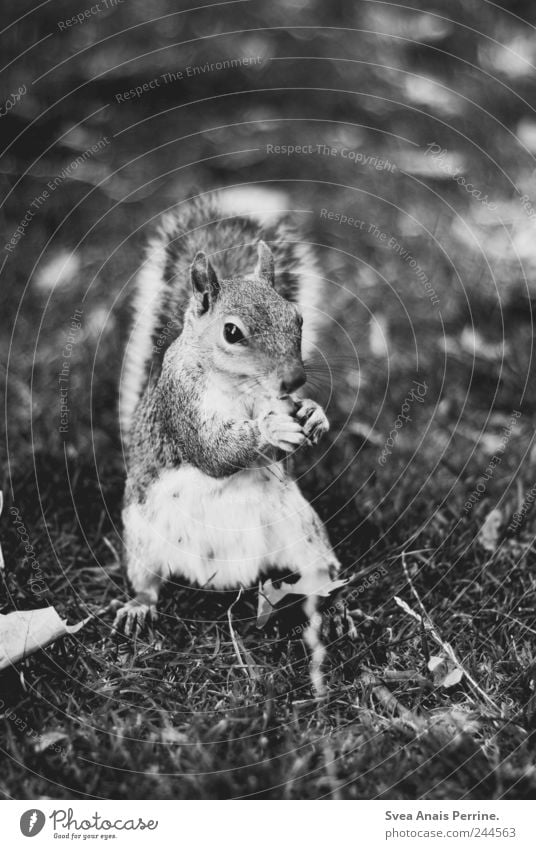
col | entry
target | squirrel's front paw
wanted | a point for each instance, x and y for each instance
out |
(132, 618)
(313, 420)
(282, 431)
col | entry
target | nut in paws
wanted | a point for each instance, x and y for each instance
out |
(313, 420)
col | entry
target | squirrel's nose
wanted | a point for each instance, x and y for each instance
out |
(293, 378)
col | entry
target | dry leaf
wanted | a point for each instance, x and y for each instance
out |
(444, 671)
(270, 596)
(26, 631)
(489, 534)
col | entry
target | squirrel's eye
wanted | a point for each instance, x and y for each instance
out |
(232, 334)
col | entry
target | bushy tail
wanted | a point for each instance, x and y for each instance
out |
(148, 296)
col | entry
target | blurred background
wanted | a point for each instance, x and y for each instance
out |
(414, 180)
(398, 105)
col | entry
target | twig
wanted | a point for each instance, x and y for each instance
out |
(233, 636)
(111, 547)
(447, 648)
(427, 624)
(386, 698)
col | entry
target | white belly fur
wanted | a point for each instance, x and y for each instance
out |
(221, 532)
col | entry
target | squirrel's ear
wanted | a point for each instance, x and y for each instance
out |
(265, 264)
(204, 281)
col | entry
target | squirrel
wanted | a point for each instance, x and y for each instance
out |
(209, 409)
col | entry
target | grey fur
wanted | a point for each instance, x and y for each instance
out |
(218, 405)
(166, 428)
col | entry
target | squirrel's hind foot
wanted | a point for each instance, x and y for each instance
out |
(133, 617)
(313, 420)
(336, 626)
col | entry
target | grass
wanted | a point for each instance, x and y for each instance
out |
(181, 716)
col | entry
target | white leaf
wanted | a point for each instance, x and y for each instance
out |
(446, 673)
(270, 596)
(26, 631)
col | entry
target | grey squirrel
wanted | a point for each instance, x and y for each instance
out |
(209, 410)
